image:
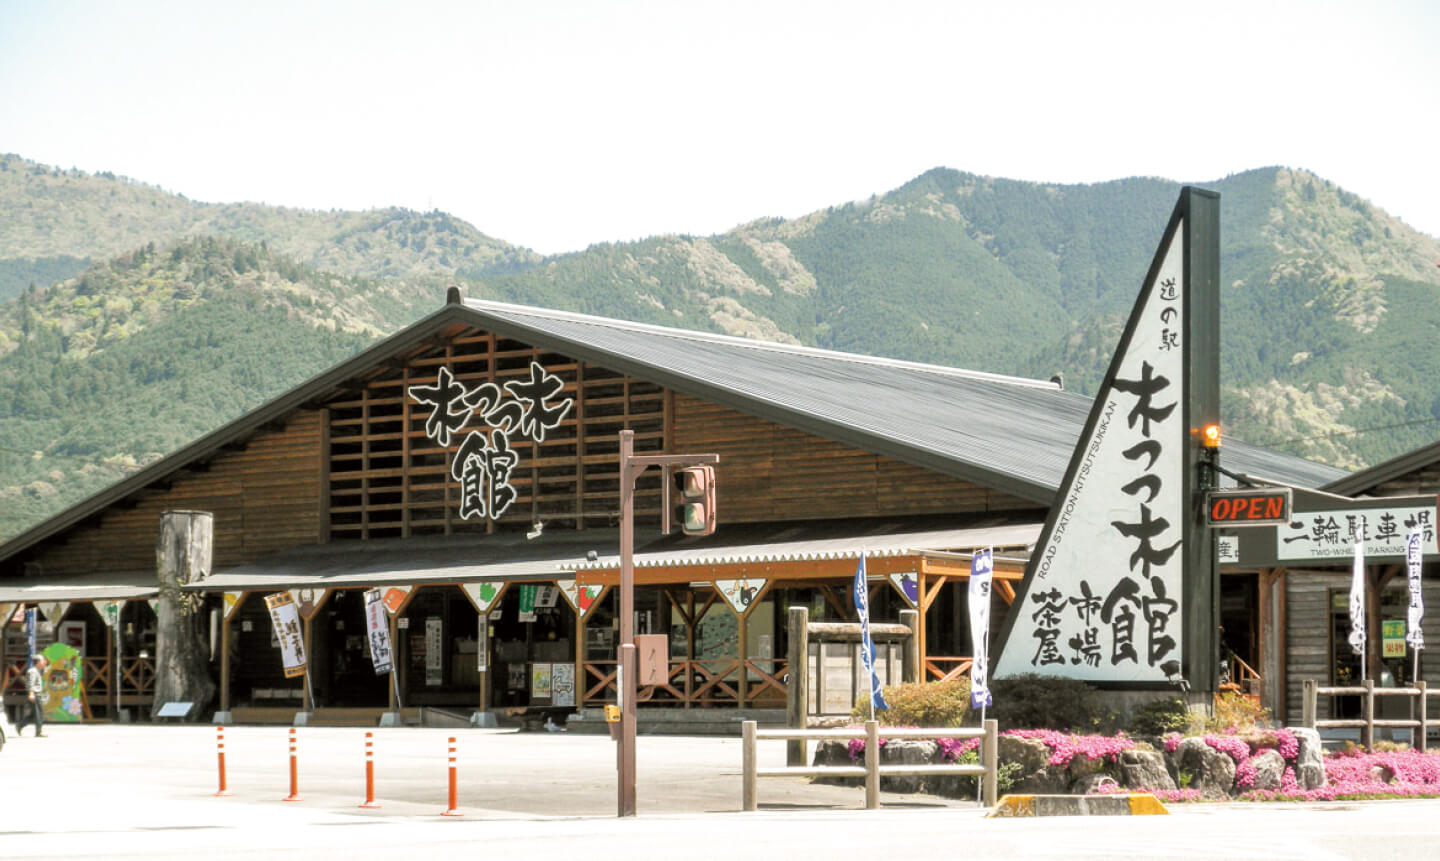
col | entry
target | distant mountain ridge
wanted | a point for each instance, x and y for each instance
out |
(152, 318)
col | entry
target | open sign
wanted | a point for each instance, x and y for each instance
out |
(1265, 507)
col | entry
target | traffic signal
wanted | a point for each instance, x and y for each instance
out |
(696, 486)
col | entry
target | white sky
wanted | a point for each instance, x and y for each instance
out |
(559, 124)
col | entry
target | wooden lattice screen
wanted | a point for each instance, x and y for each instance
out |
(387, 479)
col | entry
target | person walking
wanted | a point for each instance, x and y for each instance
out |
(34, 686)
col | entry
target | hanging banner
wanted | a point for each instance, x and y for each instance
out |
(1357, 603)
(1414, 558)
(377, 630)
(740, 593)
(982, 568)
(286, 619)
(907, 583)
(395, 598)
(434, 652)
(527, 602)
(582, 598)
(482, 595)
(1104, 597)
(30, 635)
(861, 594)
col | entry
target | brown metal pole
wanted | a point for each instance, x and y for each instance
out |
(626, 686)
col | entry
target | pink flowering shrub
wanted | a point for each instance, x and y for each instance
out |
(1352, 776)
(1064, 746)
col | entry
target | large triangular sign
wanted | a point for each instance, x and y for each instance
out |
(1120, 588)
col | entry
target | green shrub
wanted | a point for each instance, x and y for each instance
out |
(927, 704)
(1160, 717)
(1033, 701)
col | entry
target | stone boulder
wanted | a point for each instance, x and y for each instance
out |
(1092, 783)
(834, 752)
(1212, 772)
(907, 752)
(1050, 780)
(1030, 753)
(1310, 764)
(1144, 769)
(1269, 768)
(1081, 767)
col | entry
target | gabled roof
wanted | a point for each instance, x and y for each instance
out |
(1365, 480)
(1012, 434)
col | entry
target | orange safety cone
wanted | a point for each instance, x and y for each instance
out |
(454, 807)
(220, 754)
(294, 770)
(369, 771)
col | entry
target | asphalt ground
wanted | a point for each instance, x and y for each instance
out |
(148, 791)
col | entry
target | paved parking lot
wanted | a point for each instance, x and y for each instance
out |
(147, 791)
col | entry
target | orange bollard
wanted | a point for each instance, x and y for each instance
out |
(369, 771)
(454, 808)
(294, 771)
(220, 753)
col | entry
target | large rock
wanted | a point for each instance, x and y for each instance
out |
(1031, 753)
(1145, 769)
(1050, 780)
(1211, 772)
(907, 752)
(1310, 764)
(832, 752)
(1082, 767)
(1269, 767)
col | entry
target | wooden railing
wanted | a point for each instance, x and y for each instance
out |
(1243, 677)
(942, 669)
(1367, 721)
(707, 683)
(872, 770)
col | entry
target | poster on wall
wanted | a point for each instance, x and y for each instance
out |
(562, 684)
(434, 652)
(541, 676)
(72, 634)
(377, 631)
(285, 621)
(527, 602)
(63, 696)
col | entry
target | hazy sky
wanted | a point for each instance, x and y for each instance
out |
(559, 124)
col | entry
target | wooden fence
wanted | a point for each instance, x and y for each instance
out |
(872, 770)
(1367, 721)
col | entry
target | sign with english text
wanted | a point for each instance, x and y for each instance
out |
(1105, 595)
(1333, 534)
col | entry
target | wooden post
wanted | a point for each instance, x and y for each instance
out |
(1311, 703)
(182, 556)
(1368, 739)
(910, 665)
(872, 765)
(748, 778)
(1423, 730)
(742, 684)
(992, 762)
(394, 663)
(307, 698)
(797, 692)
(225, 655)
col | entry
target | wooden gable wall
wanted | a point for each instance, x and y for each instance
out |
(265, 498)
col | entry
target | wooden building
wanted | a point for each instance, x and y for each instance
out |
(467, 467)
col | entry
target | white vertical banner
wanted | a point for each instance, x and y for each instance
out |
(1357, 606)
(1414, 557)
(982, 568)
(286, 619)
(377, 631)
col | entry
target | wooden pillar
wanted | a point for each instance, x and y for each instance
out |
(225, 615)
(308, 699)
(182, 556)
(911, 664)
(742, 685)
(690, 623)
(797, 695)
(395, 662)
(580, 680)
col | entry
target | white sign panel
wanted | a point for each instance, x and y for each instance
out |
(1332, 534)
(434, 652)
(286, 619)
(1103, 597)
(377, 631)
(1416, 612)
(739, 593)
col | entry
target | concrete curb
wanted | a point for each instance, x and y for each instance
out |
(1133, 804)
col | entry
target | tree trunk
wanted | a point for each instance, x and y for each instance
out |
(182, 663)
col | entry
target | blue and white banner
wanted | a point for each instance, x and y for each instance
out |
(1357, 605)
(867, 645)
(30, 635)
(982, 567)
(1414, 555)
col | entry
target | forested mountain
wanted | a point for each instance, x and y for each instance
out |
(137, 320)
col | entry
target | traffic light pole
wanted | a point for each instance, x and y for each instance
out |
(631, 468)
